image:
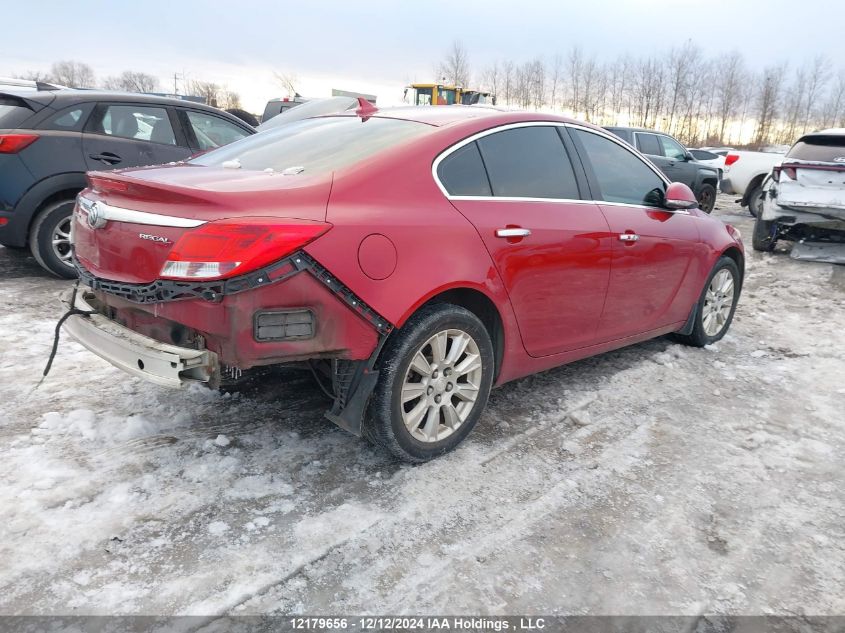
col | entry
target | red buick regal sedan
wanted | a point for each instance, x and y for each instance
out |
(412, 257)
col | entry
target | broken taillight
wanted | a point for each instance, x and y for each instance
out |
(235, 246)
(789, 171)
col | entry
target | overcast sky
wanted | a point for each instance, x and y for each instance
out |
(378, 46)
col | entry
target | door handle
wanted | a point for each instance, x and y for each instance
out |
(513, 232)
(106, 157)
(628, 237)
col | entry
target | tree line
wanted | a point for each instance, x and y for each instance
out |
(701, 100)
(75, 74)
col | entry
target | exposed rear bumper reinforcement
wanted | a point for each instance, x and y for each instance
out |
(142, 356)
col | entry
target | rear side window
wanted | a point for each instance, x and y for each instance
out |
(528, 162)
(621, 175)
(315, 145)
(462, 173)
(144, 123)
(212, 131)
(69, 119)
(648, 144)
(823, 149)
(700, 154)
(13, 112)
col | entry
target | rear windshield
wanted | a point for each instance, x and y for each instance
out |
(314, 145)
(12, 112)
(824, 149)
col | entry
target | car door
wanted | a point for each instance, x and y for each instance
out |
(120, 135)
(653, 247)
(552, 249)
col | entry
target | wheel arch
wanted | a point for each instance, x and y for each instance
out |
(734, 253)
(752, 185)
(47, 191)
(476, 301)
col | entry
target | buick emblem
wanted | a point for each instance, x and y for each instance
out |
(96, 217)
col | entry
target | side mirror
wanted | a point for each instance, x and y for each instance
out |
(679, 196)
(689, 157)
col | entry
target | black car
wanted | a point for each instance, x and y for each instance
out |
(674, 160)
(50, 138)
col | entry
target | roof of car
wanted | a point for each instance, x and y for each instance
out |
(69, 95)
(635, 129)
(447, 115)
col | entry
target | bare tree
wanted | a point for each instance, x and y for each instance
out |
(555, 76)
(768, 94)
(817, 77)
(728, 89)
(834, 107)
(35, 75)
(132, 81)
(455, 66)
(574, 61)
(73, 74)
(508, 80)
(491, 78)
(288, 82)
(208, 90)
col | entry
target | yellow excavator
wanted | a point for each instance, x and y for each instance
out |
(440, 94)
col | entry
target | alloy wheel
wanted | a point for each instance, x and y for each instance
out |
(441, 385)
(61, 241)
(718, 302)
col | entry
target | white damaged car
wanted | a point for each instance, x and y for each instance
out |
(804, 199)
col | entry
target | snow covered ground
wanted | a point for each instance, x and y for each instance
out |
(658, 479)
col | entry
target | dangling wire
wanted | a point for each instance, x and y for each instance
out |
(74, 311)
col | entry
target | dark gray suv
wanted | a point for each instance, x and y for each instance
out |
(674, 160)
(50, 138)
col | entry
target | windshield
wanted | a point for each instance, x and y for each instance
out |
(823, 149)
(314, 145)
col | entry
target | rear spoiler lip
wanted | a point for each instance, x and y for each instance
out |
(35, 104)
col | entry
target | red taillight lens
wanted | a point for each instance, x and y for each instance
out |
(730, 159)
(13, 143)
(235, 246)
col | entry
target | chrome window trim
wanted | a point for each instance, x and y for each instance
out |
(120, 214)
(510, 126)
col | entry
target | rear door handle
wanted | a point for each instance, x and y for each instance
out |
(628, 237)
(513, 232)
(107, 158)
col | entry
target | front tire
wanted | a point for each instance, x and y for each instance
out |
(434, 381)
(49, 239)
(715, 309)
(706, 198)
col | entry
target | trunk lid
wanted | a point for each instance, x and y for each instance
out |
(171, 200)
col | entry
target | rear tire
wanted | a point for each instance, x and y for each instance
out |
(715, 309)
(764, 237)
(706, 198)
(434, 380)
(49, 238)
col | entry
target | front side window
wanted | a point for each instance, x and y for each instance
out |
(462, 172)
(621, 175)
(648, 144)
(315, 145)
(672, 149)
(529, 162)
(212, 131)
(145, 123)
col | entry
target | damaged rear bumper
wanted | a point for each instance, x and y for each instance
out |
(139, 355)
(830, 218)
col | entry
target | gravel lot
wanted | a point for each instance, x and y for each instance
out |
(658, 479)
